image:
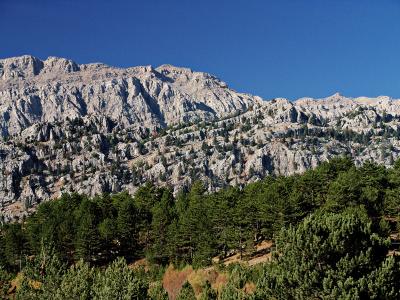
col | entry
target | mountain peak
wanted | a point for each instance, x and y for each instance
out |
(71, 123)
(174, 69)
(132, 96)
(58, 64)
(20, 67)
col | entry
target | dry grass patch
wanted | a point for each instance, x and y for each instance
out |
(198, 278)
(174, 279)
(220, 281)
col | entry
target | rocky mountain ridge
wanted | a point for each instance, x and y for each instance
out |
(34, 91)
(94, 129)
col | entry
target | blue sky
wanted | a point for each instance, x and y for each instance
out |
(281, 48)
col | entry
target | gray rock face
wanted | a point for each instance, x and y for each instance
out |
(94, 129)
(34, 91)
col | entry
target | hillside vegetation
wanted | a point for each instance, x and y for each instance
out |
(331, 227)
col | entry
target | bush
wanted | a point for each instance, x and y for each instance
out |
(186, 292)
(118, 282)
(157, 292)
(76, 283)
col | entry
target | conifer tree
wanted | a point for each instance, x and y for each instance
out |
(14, 247)
(118, 281)
(207, 292)
(331, 256)
(41, 275)
(145, 198)
(76, 283)
(162, 216)
(87, 242)
(127, 226)
(157, 292)
(195, 231)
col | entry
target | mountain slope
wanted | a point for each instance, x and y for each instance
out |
(34, 91)
(94, 128)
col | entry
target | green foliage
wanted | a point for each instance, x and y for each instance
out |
(224, 218)
(76, 283)
(5, 278)
(392, 197)
(194, 235)
(331, 256)
(239, 277)
(163, 214)
(365, 186)
(13, 245)
(343, 246)
(231, 292)
(208, 293)
(118, 282)
(55, 223)
(157, 292)
(41, 275)
(46, 278)
(87, 242)
(126, 223)
(186, 292)
(195, 226)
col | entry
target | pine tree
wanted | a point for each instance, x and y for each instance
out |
(87, 241)
(41, 275)
(195, 231)
(157, 292)
(162, 217)
(127, 226)
(76, 283)
(223, 225)
(331, 256)
(145, 198)
(14, 246)
(392, 193)
(118, 282)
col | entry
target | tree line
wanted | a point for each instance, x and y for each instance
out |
(336, 217)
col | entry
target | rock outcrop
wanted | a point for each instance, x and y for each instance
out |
(94, 129)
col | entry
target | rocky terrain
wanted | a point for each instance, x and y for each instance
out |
(94, 129)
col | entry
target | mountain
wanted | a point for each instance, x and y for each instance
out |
(35, 91)
(95, 128)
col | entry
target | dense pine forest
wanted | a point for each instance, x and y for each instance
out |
(333, 230)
